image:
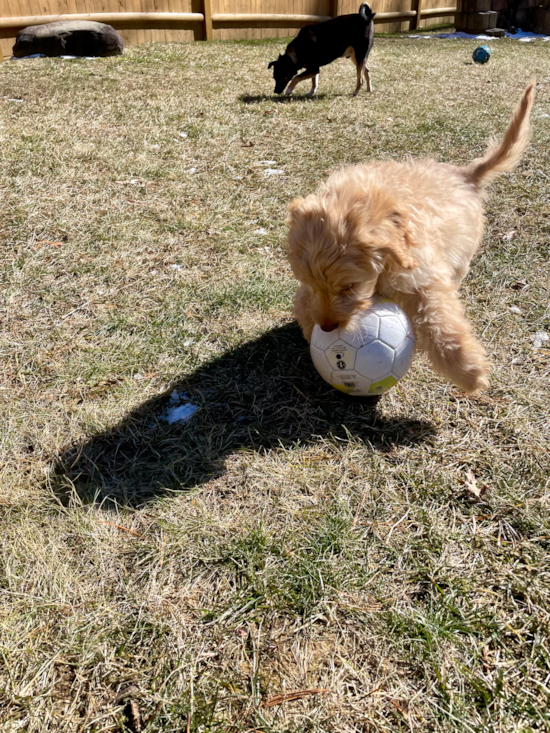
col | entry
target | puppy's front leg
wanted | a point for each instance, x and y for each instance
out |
(446, 335)
(301, 311)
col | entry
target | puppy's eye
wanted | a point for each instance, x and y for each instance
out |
(347, 288)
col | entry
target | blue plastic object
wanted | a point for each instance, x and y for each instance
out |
(482, 54)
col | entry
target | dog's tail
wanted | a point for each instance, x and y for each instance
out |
(366, 13)
(504, 156)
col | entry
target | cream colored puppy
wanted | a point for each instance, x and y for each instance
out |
(408, 231)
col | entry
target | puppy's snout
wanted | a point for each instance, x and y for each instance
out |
(328, 327)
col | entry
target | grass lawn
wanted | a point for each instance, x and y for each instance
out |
(286, 539)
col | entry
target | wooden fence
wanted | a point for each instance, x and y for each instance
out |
(140, 21)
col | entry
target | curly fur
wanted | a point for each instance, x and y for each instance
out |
(406, 230)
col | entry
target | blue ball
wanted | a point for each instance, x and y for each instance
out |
(482, 54)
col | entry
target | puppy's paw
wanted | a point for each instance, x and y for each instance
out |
(475, 377)
(475, 383)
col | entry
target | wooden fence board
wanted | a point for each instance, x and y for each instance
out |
(161, 29)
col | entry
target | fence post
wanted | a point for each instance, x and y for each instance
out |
(415, 23)
(207, 11)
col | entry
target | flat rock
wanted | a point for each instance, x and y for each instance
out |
(69, 38)
(495, 32)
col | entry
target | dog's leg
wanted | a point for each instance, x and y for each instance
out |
(367, 77)
(359, 66)
(301, 312)
(362, 70)
(444, 333)
(298, 78)
(314, 84)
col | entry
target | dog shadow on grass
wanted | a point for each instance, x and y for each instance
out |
(262, 395)
(257, 98)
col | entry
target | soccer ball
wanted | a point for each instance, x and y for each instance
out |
(482, 54)
(370, 355)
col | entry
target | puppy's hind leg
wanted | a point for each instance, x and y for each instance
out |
(445, 334)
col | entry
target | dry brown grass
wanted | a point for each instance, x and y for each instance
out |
(286, 539)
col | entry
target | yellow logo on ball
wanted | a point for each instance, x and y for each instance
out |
(383, 385)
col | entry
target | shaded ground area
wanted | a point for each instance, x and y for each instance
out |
(262, 395)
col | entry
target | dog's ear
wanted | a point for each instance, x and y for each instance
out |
(381, 230)
(305, 209)
(295, 205)
(296, 210)
(399, 249)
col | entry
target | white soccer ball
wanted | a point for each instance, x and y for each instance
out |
(370, 355)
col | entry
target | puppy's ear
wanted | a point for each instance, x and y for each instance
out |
(381, 230)
(399, 248)
(293, 208)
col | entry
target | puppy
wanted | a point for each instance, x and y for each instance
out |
(408, 231)
(350, 36)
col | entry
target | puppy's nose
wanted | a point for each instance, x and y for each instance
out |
(328, 327)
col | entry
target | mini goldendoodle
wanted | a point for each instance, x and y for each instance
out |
(407, 231)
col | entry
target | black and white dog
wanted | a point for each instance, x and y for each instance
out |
(348, 36)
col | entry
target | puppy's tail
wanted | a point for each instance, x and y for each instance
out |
(366, 13)
(506, 155)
